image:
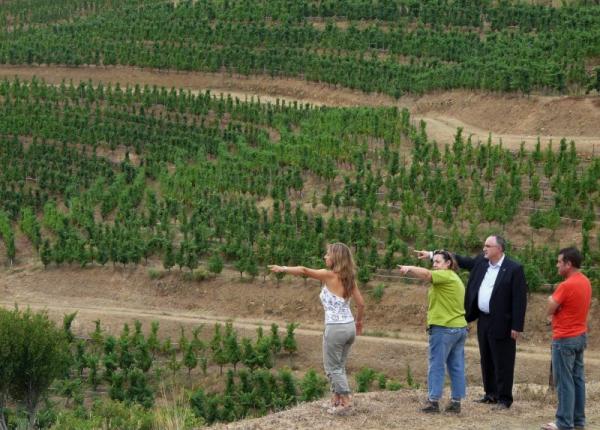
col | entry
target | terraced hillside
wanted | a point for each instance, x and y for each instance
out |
(394, 47)
(159, 198)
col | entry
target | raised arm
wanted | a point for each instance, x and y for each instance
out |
(322, 275)
(419, 272)
(465, 262)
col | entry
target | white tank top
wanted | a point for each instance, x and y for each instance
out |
(337, 310)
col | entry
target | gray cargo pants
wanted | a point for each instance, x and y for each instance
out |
(337, 340)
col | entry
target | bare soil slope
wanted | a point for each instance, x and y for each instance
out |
(512, 118)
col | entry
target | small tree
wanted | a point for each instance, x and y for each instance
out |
(189, 359)
(139, 391)
(216, 346)
(153, 342)
(169, 257)
(289, 343)
(276, 343)
(97, 336)
(67, 322)
(10, 348)
(46, 253)
(232, 350)
(313, 386)
(93, 377)
(41, 355)
(288, 395)
(249, 357)
(215, 264)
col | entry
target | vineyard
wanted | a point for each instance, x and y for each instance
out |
(119, 175)
(389, 46)
(198, 183)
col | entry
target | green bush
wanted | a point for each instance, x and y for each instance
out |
(313, 386)
(197, 275)
(156, 273)
(34, 353)
(393, 385)
(364, 378)
(377, 292)
(107, 415)
(410, 381)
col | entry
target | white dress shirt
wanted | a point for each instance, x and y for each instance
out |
(487, 285)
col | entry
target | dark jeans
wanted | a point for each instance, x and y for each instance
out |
(569, 380)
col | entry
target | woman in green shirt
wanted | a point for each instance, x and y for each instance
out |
(447, 329)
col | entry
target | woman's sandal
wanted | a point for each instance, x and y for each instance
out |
(328, 405)
(340, 411)
(550, 426)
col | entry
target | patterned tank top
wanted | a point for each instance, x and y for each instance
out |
(337, 310)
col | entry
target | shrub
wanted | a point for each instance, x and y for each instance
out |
(410, 380)
(215, 264)
(364, 378)
(107, 415)
(313, 386)
(393, 385)
(197, 275)
(156, 273)
(34, 353)
(377, 292)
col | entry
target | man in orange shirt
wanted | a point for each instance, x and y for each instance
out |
(568, 309)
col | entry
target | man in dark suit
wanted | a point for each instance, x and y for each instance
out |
(496, 297)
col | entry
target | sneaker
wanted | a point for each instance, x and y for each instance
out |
(453, 406)
(431, 407)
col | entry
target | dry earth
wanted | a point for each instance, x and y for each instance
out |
(512, 118)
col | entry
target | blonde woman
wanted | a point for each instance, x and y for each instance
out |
(339, 287)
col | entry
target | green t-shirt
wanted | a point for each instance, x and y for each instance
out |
(446, 300)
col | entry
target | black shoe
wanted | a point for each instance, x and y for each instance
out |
(487, 400)
(501, 406)
(453, 406)
(431, 408)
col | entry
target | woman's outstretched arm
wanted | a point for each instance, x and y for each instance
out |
(419, 272)
(322, 275)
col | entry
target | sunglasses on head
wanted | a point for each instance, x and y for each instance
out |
(442, 252)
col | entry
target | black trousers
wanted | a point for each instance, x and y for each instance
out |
(497, 361)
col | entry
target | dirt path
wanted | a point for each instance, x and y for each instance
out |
(89, 312)
(512, 118)
(440, 127)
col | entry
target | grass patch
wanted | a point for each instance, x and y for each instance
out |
(154, 273)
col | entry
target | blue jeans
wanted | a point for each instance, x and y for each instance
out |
(569, 380)
(446, 349)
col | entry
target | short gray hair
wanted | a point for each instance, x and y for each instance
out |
(500, 241)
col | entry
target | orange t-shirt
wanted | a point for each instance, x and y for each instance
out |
(574, 295)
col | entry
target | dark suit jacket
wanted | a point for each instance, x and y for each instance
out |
(509, 296)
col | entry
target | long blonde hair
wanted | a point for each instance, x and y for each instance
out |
(343, 266)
